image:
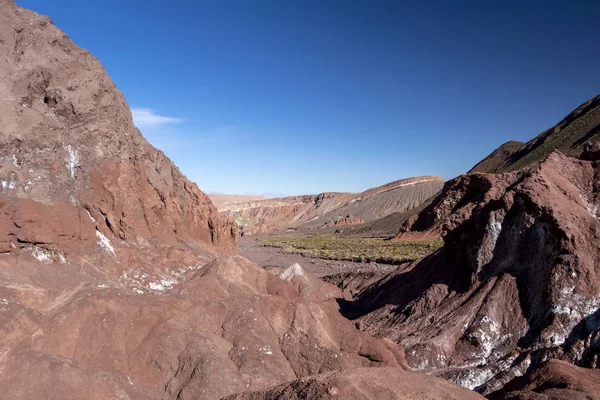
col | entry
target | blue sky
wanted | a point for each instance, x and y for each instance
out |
(296, 97)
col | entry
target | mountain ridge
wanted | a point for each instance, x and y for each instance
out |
(325, 209)
(568, 136)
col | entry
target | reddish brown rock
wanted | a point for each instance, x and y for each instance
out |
(112, 278)
(556, 380)
(77, 180)
(517, 280)
(348, 220)
(232, 327)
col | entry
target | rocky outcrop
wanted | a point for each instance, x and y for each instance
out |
(591, 151)
(113, 282)
(78, 182)
(348, 220)
(516, 283)
(232, 327)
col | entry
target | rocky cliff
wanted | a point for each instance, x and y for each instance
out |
(516, 283)
(78, 182)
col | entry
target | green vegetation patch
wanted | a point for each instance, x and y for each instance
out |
(331, 247)
(243, 222)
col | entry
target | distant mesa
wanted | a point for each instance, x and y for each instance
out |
(223, 200)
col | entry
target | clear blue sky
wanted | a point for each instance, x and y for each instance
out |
(295, 97)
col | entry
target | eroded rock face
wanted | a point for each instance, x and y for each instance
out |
(517, 281)
(78, 182)
(348, 220)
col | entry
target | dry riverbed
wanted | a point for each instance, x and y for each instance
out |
(317, 255)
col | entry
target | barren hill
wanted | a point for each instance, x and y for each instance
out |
(568, 136)
(330, 209)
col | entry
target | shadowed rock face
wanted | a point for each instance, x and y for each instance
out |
(78, 182)
(517, 281)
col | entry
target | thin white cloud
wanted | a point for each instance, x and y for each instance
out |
(147, 117)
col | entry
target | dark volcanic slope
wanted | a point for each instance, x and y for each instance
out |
(568, 136)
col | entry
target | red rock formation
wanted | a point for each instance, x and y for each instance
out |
(517, 280)
(556, 380)
(77, 179)
(348, 220)
(232, 327)
(109, 287)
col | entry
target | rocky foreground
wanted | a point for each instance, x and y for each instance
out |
(119, 278)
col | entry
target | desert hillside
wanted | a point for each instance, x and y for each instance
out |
(332, 209)
(514, 285)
